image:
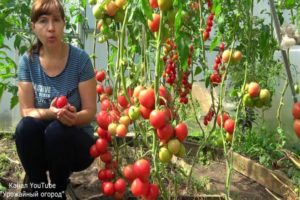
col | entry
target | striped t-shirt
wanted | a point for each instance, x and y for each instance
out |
(78, 68)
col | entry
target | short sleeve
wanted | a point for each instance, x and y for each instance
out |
(87, 70)
(23, 69)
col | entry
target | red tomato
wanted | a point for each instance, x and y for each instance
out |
(108, 90)
(103, 119)
(105, 105)
(106, 157)
(120, 185)
(297, 127)
(101, 145)
(109, 174)
(153, 191)
(163, 95)
(94, 152)
(141, 169)
(122, 101)
(157, 118)
(99, 89)
(139, 188)
(166, 132)
(102, 174)
(100, 75)
(61, 101)
(111, 8)
(153, 4)
(296, 110)
(154, 24)
(128, 172)
(181, 131)
(112, 165)
(102, 133)
(147, 98)
(229, 126)
(225, 117)
(145, 112)
(108, 188)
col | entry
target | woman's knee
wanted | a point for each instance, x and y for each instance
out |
(28, 127)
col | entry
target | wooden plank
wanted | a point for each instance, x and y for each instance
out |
(272, 180)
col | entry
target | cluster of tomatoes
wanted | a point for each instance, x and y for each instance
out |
(105, 13)
(138, 174)
(170, 60)
(101, 87)
(255, 96)
(224, 120)
(216, 77)
(208, 117)
(209, 22)
(296, 115)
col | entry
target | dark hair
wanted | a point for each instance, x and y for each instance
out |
(43, 7)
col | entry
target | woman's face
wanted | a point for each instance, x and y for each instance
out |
(49, 28)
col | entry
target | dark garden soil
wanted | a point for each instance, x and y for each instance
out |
(87, 186)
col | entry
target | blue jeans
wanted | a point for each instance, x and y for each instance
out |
(51, 146)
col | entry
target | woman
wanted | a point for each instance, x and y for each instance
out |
(48, 138)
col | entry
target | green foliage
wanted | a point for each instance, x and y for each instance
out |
(261, 145)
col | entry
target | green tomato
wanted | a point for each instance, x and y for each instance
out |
(92, 2)
(98, 12)
(296, 88)
(248, 101)
(164, 5)
(165, 155)
(265, 96)
(134, 112)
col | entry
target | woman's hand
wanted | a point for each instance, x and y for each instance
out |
(67, 115)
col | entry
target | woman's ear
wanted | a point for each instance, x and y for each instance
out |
(33, 26)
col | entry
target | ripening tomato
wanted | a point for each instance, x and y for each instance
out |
(237, 56)
(139, 188)
(61, 101)
(165, 133)
(121, 130)
(112, 128)
(296, 110)
(164, 155)
(154, 23)
(100, 75)
(134, 112)
(125, 120)
(120, 3)
(181, 131)
(94, 152)
(164, 5)
(147, 98)
(173, 146)
(157, 118)
(253, 89)
(128, 172)
(120, 185)
(111, 8)
(108, 188)
(229, 126)
(297, 127)
(101, 145)
(137, 90)
(226, 55)
(163, 95)
(225, 116)
(141, 169)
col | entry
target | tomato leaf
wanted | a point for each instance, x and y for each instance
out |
(14, 101)
(183, 41)
(198, 70)
(207, 79)
(215, 42)
(146, 9)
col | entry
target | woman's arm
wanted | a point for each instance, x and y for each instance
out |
(26, 101)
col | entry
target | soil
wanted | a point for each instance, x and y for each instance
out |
(86, 185)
